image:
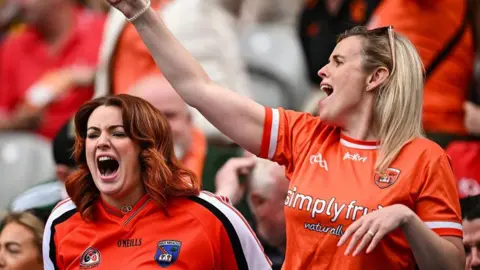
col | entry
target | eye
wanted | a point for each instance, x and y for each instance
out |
(119, 134)
(337, 62)
(13, 250)
(92, 135)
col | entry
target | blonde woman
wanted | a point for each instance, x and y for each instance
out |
(21, 241)
(367, 190)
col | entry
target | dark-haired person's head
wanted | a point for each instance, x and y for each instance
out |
(63, 145)
(124, 149)
(471, 230)
(21, 241)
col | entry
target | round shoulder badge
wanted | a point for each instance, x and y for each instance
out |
(90, 258)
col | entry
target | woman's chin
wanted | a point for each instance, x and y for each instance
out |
(109, 190)
(109, 185)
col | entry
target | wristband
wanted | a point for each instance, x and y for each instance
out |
(140, 13)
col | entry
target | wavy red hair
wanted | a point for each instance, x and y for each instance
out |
(162, 174)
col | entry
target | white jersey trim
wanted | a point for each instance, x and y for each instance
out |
(62, 208)
(358, 146)
(274, 133)
(251, 248)
(444, 225)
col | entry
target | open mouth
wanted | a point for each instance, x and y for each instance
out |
(107, 166)
(328, 89)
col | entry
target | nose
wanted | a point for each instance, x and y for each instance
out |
(3, 264)
(322, 73)
(103, 142)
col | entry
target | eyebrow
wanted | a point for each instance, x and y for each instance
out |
(338, 57)
(109, 128)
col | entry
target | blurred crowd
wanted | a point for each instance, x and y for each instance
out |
(57, 54)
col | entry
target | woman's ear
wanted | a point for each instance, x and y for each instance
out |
(377, 78)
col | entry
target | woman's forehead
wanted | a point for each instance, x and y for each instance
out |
(105, 116)
(349, 47)
(14, 232)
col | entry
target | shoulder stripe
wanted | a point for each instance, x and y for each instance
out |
(248, 253)
(62, 203)
(229, 205)
(444, 225)
(274, 133)
(62, 212)
(267, 129)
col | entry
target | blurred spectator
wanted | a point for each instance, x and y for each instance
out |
(266, 188)
(471, 231)
(432, 26)
(320, 24)
(205, 27)
(189, 142)
(465, 155)
(46, 71)
(21, 238)
(46, 195)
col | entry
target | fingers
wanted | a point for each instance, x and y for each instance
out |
(359, 234)
(376, 239)
(367, 238)
(243, 165)
(365, 233)
(350, 230)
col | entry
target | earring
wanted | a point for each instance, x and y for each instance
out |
(368, 88)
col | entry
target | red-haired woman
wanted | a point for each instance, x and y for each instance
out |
(133, 206)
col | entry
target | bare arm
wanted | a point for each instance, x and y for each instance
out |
(430, 250)
(236, 116)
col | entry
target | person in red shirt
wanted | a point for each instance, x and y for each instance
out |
(133, 206)
(46, 71)
(363, 179)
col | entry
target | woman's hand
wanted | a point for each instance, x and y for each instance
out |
(227, 180)
(371, 228)
(128, 7)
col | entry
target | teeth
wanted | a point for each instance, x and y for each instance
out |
(326, 87)
(104, 158)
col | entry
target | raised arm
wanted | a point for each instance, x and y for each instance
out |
(236, 116)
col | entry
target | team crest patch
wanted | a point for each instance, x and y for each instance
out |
(90, 258)
(167, 252)
(388, 178)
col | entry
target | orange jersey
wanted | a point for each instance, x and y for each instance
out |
(332, 184)
(198, 232)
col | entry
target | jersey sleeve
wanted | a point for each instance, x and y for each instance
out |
(62, 212)
(438, 203)
(238, 247)
(286, 133)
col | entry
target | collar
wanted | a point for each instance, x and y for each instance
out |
(358, 144)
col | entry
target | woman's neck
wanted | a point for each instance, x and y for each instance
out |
(359, 125)
(125, 201)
